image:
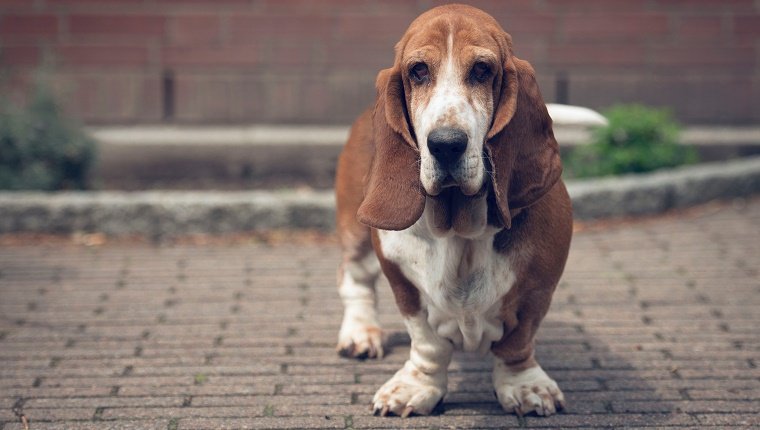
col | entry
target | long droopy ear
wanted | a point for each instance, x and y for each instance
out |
(393, 198)
(521, 147)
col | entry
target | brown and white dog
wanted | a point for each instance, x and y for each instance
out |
(453, 180)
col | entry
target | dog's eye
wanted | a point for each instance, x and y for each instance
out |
(420, 72)
(480, 71)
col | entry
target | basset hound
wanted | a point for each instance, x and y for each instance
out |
(451, 187)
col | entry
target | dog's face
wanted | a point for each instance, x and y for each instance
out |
(458, 117)
(450, 69)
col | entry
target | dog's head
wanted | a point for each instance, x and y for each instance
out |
(457, 116)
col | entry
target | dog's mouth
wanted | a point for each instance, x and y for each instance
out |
(451, 209)
(449, 183)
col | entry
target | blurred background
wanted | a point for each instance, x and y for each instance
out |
(298, 61)
(129, 68)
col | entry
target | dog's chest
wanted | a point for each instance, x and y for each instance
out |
(462, 282)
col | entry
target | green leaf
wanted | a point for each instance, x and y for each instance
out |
(637, 139)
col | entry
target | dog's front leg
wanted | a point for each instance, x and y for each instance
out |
(520, 383)
(421, 384)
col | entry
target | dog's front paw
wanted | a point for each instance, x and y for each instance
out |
(360, 340)
(527, 391)
(410, 391)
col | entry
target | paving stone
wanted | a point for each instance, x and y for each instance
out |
(319, 422)
(737, 419)
(59, 414)
(103, 402)
(99, 425)
(654, 325)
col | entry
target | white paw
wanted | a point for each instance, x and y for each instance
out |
(360, 340)
(530, 390)
(410, 391)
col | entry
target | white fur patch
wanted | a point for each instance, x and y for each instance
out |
(461, 281)
(449, 107)
(462, 299)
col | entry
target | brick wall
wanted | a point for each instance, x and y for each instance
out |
(301, 61)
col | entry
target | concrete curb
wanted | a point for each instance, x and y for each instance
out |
(658, 192)
(156, 213)
(177, 213)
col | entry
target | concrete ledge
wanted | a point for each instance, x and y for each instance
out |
(261, 134)
(228, 157)
(178, 213)
(566, 132)
(266, 156)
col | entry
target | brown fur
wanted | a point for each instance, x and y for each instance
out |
(544, 230)
(406, 294)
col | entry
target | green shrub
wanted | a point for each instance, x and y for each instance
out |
(40, 148)
(637, 139)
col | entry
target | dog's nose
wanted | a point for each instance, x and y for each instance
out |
(447, 144)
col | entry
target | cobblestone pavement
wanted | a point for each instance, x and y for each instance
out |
(655, 324)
